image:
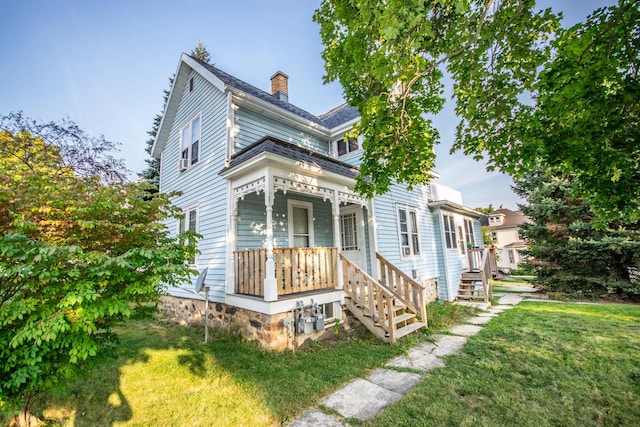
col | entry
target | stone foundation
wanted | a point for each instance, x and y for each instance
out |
(268, 330)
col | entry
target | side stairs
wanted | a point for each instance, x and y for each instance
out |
(470, 287)
(389, 308)
(404, 321)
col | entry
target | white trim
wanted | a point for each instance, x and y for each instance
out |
(185, 214)
(230, 130)
(282, 306)
(291, 203)
(188, 123)
(410, 231)
(267, 109)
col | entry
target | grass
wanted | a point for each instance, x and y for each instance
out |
(540, 364)
(164, 375)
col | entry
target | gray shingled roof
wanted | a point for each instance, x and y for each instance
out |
(339, 115)
(331, 119)
(293, 152)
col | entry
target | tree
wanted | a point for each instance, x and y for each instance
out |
(515, 77)
(77, 256)
(152, 173)
(574, 250)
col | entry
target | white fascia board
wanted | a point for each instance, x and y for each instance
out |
(175, 95)
(250, 102)
(284, 305)
(343, 128)
(287, 166)
(454, 207)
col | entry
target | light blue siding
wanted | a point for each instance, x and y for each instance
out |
(251, 227)
(251, 127)
(387, 233)
(200, 185)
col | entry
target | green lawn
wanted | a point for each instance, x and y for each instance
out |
(540, 364)
(164, 375)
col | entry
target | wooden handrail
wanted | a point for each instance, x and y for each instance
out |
(375, 300)
(407, 290)
(487, 267)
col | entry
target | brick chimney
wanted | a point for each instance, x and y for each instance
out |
(280, 86)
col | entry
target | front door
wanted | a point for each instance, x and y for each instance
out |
(352, 235)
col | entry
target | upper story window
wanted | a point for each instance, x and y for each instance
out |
(408, 229)
(450, 231)
(347, 145)
(190, 140)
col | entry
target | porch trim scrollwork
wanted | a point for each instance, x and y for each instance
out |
(256, 186)
(285, 185)
(344, 197)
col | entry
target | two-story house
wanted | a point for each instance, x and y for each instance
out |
(287, 242)
(504, 227)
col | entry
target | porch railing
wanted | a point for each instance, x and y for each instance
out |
(296, 270)
(375, 300)
(407, 290)
(484, 261)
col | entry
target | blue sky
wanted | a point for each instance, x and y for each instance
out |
(104, 64)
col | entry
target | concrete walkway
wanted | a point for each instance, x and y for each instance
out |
(364, 399)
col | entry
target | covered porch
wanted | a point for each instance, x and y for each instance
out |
(292, 212)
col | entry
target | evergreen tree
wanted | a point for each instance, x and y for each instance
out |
(152, 173)
(575, 252)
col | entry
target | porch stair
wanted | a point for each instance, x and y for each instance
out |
(470, 287)
(388, 308)
(475, 283)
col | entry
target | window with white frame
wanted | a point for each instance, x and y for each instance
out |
(408, 229)
(347, 145)
(190, 140)
(468, 232)
(300, 223)
(512, 256)
(449, 231)
(188, 221)
(348, 232)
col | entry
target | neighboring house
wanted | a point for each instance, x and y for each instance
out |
(504, 228)
(269, 187)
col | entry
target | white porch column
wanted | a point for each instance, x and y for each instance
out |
(337, 241)
(373, 238)
(270, 283)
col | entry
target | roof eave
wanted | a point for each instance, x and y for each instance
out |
(446, 204)
(185, 64)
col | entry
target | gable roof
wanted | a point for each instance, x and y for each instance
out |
(511, 218)
(340, 115)
(225, 81)
(290, 151)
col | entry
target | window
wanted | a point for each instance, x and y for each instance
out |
(449, 231)
(348, 231)
(512, 256)
(408, 229)
(468, 233)
(461, 240)
(188, 221)
(190, 140)
(300, 224)
(346, 146)
(494, 237)
(191, 84)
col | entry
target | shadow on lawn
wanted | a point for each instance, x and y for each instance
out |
(94, 396)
